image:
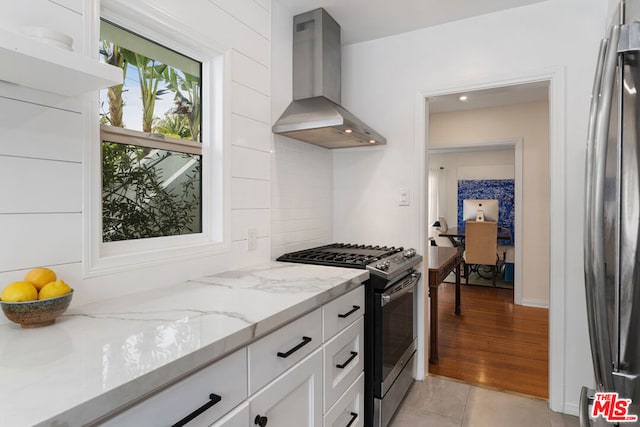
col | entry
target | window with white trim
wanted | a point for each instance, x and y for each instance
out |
(151, 137)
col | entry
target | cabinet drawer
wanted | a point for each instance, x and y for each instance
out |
(294, 399)
(226, 378)
(239, 417)
(343, 361)
(349, 409)
(341, 312)
(272, 355)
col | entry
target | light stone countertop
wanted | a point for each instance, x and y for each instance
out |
(98, 357)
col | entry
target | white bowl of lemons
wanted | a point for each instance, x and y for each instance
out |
(37, 300)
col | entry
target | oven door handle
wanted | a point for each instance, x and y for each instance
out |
(400, 289)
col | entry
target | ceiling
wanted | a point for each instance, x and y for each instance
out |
(363, 20)
(494, 97)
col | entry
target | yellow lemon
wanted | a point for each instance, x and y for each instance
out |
(54, 289)
(40, 276)
(18, 292)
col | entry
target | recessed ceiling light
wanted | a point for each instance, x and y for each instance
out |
(348, 130)
(463, 98)
(372, 141)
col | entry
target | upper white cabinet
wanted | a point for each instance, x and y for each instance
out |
(34, 64)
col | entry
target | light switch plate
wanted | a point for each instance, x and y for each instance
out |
(252, 239)
(404, 199)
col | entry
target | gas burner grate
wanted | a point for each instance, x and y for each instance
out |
(341, 255)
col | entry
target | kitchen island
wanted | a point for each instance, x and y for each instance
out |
(100, 357)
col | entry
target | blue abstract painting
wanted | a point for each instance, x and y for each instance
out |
(500, 189)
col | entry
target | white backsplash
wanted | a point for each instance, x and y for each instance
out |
(302, 196)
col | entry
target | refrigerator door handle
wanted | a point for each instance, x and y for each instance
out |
(591, 131)
(586, 397)
(595, 275)
(589, 274)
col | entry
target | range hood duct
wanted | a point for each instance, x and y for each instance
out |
(315, 115)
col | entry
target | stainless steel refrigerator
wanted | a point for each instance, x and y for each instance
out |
(612, 224)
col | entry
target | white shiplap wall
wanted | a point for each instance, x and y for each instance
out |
(41, 150)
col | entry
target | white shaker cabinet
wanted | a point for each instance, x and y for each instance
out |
(327, 386)
(307, 373)
(294, 399)
(341, 312)
(348, 410)
(273, 354)
(343, 331)
(207, 394)
(343, 361)
(239, 417)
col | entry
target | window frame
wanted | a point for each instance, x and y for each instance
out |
(108, 257)
(133, 137)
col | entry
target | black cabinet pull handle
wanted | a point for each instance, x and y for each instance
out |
(349, 313)
(354, 417)
(353, 355)
(260, 421)
(213, 399)
(305, 341)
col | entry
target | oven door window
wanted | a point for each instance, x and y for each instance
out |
(398, 331)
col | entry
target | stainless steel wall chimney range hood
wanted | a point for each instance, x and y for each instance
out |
(315, 115)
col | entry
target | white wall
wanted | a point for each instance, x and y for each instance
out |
(552, 35)
(41, 151)
(460, 164)
(302, 174)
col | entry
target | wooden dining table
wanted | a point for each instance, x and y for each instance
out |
(441, 261)
(454, 233)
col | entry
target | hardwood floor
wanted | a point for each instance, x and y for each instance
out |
(493, 343)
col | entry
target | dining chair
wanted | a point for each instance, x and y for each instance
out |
(481, 247)
(438, 227)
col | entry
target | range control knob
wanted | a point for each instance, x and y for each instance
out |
(382, 266)
(409, 253)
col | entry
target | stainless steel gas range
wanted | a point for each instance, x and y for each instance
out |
(390, 318)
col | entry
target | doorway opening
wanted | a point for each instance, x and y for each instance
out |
(494, 135)
(479, 170)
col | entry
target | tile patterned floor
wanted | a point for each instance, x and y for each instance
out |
(442, 402)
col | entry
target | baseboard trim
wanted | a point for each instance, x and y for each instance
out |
(572, 409)
(541, 303)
